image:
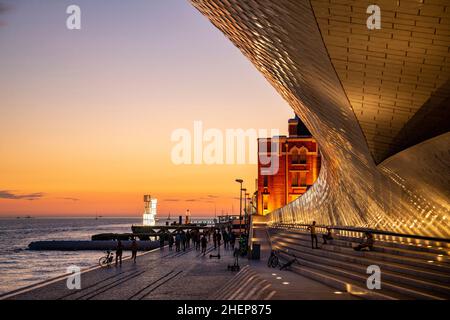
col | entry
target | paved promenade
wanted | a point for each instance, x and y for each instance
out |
(170, 275)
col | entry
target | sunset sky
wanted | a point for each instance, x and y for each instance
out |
(86, 115)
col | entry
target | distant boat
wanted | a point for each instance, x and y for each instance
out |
(168, 218)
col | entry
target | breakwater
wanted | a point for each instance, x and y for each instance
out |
(74, 245)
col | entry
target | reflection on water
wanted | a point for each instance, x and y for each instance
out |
(20, 267)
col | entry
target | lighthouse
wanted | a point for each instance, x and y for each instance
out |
(188, 217)
(149, 210)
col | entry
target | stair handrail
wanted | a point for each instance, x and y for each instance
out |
(373, 231)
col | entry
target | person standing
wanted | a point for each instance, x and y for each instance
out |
(204, 242)
(161, 240)
(171, 240)
(177, 241)
(226, 239)
(312, 229)
(188, 239)
(232, 240)
(183, 240)
(134, 249)
(197, 240)
(215, 239)
(119, 251)
(219, 238)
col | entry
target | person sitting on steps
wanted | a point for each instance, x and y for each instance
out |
(367, 242)
(327, 236)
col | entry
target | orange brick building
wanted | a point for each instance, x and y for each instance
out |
(299, 166)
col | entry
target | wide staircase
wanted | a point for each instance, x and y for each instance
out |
(247, 285)
(409, 270)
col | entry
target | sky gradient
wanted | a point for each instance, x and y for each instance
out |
(86, 115)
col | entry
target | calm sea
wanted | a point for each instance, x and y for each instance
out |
(20, 267)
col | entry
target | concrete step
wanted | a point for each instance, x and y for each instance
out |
(246, 285)
(356, 265)
(343, 284)
(440, 248)
(369, 258)
(417, 258)
(388, 289)
(232, 284)
(412, 250)
(394, 282)
(382, 246)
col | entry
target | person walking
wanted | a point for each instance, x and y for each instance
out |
(183, 240)
(215, 239)
(161, 240)
(226, 239)
(171, 241)
(134, 249)
(119, 251)
(219, 238)
(232, 240)
(177, 241)
(188, 239)
(312, 229)
(197, 240)
(204, 242)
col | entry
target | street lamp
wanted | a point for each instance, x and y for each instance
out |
(240, 181)
(246, 208)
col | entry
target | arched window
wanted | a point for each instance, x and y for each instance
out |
(302, 156)
(295, 156)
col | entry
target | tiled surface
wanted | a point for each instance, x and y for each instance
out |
(390, 73)
(156, 275)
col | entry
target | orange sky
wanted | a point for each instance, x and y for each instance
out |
(86, 116)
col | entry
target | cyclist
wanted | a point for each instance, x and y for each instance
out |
(119, 251)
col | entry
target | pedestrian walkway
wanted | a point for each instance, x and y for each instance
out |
(159, 274)
(188, 275)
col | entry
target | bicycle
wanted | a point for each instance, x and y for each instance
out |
(273, 261)
(106, 261)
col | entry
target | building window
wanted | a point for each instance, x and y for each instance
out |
(302, 157)
(266, 181)
(295, 179)
(303, 179)
(295, 157)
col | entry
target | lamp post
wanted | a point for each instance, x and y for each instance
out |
(244, 190)
(240, 181)
(246, 208)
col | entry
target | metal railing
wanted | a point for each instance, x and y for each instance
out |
(382, 234)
